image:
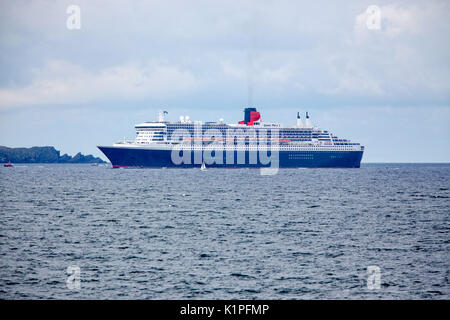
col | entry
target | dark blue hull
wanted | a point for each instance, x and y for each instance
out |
(146, 158)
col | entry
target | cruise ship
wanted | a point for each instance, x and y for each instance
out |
(251, 143)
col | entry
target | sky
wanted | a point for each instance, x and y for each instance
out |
(382, 82)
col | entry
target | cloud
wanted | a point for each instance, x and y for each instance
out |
(62, 82)
(394, 20)
(352, 79)
(259, 71)
(403, 59)
(405, 19)
(156, 49)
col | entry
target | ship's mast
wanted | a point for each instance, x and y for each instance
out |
(161, 115)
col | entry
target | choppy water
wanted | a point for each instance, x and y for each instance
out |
(231, 234)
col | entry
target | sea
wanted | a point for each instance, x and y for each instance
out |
(71, 231)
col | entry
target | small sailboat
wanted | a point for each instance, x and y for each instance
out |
(203, 168)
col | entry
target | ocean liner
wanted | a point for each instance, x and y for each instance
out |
(251, 143)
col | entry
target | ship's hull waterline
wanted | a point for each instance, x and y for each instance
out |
(126, 157)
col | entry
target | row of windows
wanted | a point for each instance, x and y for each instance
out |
(224, 127)
(293, 134)
(300, 157)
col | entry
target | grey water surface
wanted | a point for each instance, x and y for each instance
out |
(225, 234)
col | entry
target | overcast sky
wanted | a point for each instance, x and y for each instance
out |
(387, 88)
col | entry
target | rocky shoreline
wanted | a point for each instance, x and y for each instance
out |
(47, 154)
